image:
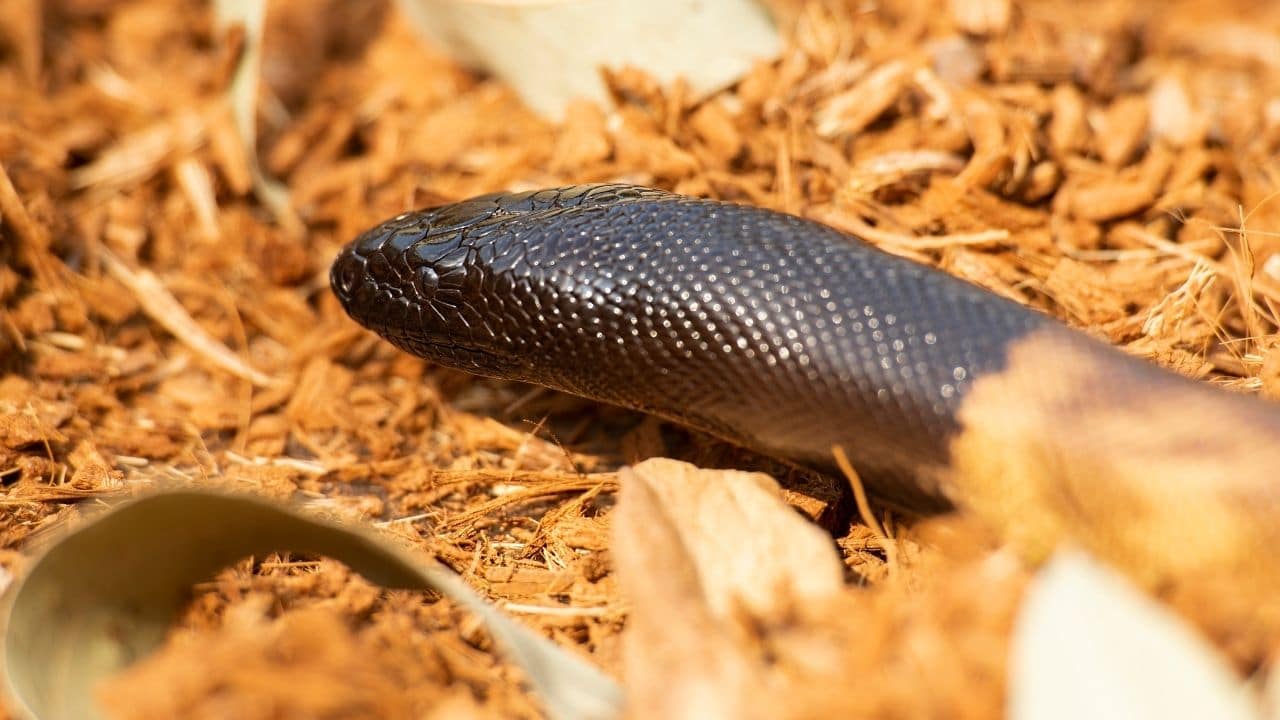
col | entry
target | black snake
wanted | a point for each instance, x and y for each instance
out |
(774, 332)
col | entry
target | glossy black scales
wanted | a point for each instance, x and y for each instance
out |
(772, 331)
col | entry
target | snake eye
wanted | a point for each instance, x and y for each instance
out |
(427, 282)
(379, 269)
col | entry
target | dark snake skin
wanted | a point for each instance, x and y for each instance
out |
(771, 331)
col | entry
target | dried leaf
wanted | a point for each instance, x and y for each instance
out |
(746, 544)
(243, 96)
(102, 597)
(691, 546)
(1087, 645)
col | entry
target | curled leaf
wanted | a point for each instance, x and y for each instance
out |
(105, 595)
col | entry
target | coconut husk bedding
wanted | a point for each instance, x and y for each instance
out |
(163, 321)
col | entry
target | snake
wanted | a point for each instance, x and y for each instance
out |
(794, 339)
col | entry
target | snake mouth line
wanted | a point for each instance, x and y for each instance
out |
(448, 350)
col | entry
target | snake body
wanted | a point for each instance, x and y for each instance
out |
(774, 332)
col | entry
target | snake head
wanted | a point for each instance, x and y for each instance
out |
(414, 278)
(442, 282)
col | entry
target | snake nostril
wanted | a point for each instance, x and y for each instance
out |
(347, 272)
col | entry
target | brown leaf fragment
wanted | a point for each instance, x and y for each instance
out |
(745, 546)
(680, 662)
(694, 547)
